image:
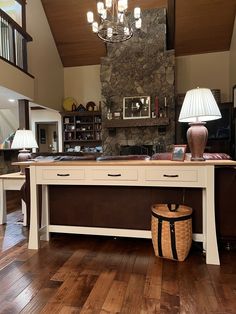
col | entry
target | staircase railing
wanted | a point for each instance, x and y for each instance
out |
(13, 42)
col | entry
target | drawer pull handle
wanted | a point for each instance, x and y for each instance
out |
(114, 175)
(171, 175)
(63, 174)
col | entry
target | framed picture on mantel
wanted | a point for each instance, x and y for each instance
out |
(136, 107)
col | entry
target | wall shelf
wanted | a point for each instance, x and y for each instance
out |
(81, 128)
(128, 123)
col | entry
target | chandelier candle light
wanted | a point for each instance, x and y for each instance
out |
(114, 25)
(198, 107)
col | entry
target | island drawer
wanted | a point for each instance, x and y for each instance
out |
(114, 174)
(60, 174)
(177, 175)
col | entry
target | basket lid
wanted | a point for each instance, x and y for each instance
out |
(163, 210)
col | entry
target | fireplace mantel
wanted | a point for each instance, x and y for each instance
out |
(127, 123)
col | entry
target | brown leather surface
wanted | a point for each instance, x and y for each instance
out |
(216, 156)
(206, 156)
(124, 157)
(162, 156)
(65, 157)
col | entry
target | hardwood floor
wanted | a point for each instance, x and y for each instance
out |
(89, 274)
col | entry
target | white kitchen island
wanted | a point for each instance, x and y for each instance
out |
(150, 173)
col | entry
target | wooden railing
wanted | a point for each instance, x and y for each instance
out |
(13, 42)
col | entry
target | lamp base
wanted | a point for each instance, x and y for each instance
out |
(24, 155)
(197, 136)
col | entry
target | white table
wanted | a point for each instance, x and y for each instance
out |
(125, 173)
(10, 181)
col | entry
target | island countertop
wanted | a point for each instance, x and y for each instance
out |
(127, 163)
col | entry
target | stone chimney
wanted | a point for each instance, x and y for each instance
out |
(140, 66)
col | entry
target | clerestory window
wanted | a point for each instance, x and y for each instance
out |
(13, 36)
(14, 9)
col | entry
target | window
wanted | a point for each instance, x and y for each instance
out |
(13, 8)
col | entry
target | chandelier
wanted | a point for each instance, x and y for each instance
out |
(114, 26)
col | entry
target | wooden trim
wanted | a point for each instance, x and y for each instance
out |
(23, 14)
(80, 113)
(14, 46)
(120, 123)
(25, 55)
(171, 25)
(21, 2)
(15, 25)
(37, 108)
(23, 114)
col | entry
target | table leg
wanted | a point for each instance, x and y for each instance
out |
(45, 212)
(3, 207)
(24, 212)
(34, 216)
(204, 230)
(212, 254)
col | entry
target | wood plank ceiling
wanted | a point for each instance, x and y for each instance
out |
(200, 26)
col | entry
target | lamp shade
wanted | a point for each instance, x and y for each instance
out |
(24, 139)
(199, 105)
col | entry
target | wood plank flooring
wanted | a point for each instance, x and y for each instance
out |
(89, 274)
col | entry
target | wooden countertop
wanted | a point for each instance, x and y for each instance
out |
(127, 163)
(14, 175)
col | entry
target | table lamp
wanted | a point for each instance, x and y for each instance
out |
(198, 107)
(22, 140)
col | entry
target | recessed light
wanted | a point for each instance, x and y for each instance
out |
(11, 100)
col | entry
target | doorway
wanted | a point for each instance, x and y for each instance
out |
(47, 136)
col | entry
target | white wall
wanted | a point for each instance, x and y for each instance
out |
(46, 116)
(44, 62)
(16, 80)
(8, 122)
(233, 59)
(83, 84)
(210, 70)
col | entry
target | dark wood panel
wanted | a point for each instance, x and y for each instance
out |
(13, 199)
(117, 207)
(23, 105)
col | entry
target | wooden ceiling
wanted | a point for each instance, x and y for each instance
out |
(200, 26)
(203, 26)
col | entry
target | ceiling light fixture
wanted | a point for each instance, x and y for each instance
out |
(114, 26)
(11, 100)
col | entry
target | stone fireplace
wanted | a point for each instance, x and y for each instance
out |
(140, 66)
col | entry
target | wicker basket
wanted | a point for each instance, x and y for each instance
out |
(171, 230)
